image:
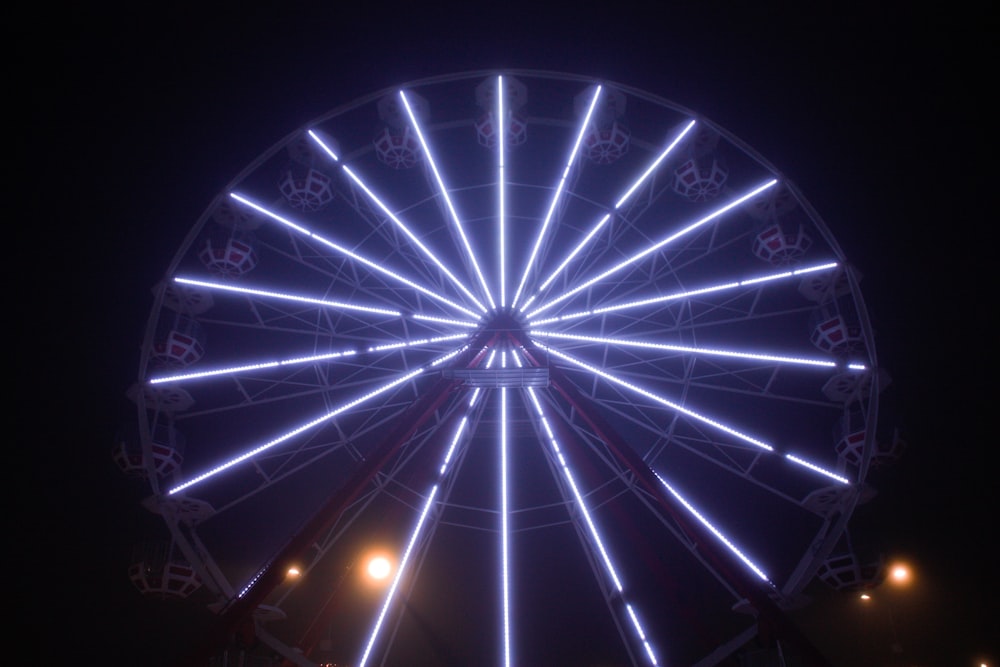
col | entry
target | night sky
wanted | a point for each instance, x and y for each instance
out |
(139, 119)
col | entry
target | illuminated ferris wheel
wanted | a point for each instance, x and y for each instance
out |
(553, 344)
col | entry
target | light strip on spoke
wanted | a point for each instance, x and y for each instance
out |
(313, 358)
(249, 454)
(558, 193)
(444, 320)
(353, 255)
(227, 287)
(505, 535)
(419, 341)
(447, 199)
(232, 370)
(659, 399)
(733, 284)
(715, 531)
(653, 248)
(650, 345)
(641, 633)
(392, 216)
(652, 167)
(501, 122)
(420, 525)
(695, 415)
(585, 512)
(418, 529)
(812, 466)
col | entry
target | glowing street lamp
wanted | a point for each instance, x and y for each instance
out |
(379, 567)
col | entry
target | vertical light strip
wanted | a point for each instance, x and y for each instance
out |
(503, 232)
(594, 535)
(504, 530)
(444, 193)
(558, 193)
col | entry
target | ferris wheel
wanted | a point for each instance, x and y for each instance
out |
(537, 337)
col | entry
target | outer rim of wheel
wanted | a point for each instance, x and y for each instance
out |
(816, 549)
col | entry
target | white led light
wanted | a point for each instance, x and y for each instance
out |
(732, 284)
(598, 542)
(660, 399)
(399, 223)
(308, 425)
(447, 199)
(642, 635)
(419, 341)
(715, 531)
(445, 320)
(282, 438)
(322, 144)
(754, 356)
(558, 193)
(585, 513)
(353, 255)
(501, 214)
(656, 246)
(454, 442)
(652, 167)
(505, 528)
(413, 237)
(399, 573)
(226, 287)
(232, 370)
(816, 468)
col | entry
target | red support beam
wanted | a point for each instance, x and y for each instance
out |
(239, 611)
(772, 620)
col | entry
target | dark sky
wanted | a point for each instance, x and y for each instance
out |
(140, 118)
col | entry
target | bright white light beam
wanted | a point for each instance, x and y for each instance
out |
(558, 193)
(715, 531)
(313, 358)
(353, 255)
(691, 413)
(419, 341)
(227, 287)
(659, 399)
(305, 427)
(656, 246)
(447, 199)
(399, 223)
(732, 284)
(501, 214)
(812, 466)
(417, 530)
(399, 573)
(642, 634)
(232, 370)
(594, 535)
(650, 345)
(652, 167)
(505, 528)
